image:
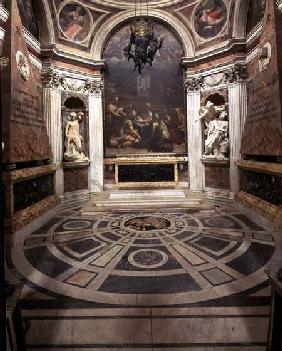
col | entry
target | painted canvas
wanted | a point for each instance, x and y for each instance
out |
(209, 18)
(75, 22)
(255, 13)
(28, 16)
(144, 113)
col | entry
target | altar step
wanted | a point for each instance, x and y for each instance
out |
(124, 200)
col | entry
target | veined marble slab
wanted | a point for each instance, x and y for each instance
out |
(139, 194)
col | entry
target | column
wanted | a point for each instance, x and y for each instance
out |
(96, 137)
(195, 141)
(237, 96)
(53, 119)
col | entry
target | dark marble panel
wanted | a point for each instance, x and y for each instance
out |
(192, 222)
(74, 222)
(184, 235)
(83, 245)
(220, 222)
(217, 177)
(75, 179)
(47, 226)
(147, 241)
(44, 261)
(125, 265)
(103, 224)
(212, 243)
(265, 186)
(31, 191)
(111, 236)
(254, 258)
(150, 285)
(146, 173)
(252, 225)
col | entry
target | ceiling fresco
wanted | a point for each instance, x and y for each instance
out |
(77, 22)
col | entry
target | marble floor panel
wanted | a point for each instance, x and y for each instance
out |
(184, 279)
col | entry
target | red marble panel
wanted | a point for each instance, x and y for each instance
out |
(24, 130)
(263, 129)
(217, 177)
(75, 179)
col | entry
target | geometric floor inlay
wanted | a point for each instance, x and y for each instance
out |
(145, 258)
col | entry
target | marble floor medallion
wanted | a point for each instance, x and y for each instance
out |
(146, 259)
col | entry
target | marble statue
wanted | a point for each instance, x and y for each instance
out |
(216, 122)
(73, 140)
(209, 112)
(217, 140)
(22, 65)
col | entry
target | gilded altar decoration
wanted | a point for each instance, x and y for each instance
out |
(210, 18)
(73, 139)
(75, 22)
(216, 132)
(23, 66)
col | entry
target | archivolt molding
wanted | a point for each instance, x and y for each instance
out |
(130, 5)
(104, 32)
(50, 38)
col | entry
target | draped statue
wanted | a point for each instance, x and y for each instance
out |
(73, 140)
(217, 130)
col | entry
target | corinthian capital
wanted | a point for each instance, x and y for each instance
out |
(193, 83)
(237, 73)
(52, 80)
(94, 87)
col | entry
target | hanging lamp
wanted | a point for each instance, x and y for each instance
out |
(143, 44)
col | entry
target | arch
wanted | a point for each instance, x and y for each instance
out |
(240, 18)
(47, 33)
(107, 28)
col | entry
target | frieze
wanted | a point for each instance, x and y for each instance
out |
(62, 82)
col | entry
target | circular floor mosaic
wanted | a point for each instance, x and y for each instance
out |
(145, 258)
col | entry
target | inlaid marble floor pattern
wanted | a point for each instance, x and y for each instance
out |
(164, 280)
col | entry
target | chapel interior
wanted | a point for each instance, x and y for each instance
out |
(141, 174)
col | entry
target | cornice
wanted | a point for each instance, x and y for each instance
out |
(52, 51)
(235, 45)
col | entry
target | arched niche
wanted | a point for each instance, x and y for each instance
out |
(144, 113)
(218, 98)
(72, 103)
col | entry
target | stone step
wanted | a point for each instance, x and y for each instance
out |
(206, 329)
(144, 194)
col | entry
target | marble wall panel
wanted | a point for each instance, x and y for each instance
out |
(24, 133)
(217, 177)
(30, 191)
(75, 179)
(263, 129)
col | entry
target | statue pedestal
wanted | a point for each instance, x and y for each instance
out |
(216, 172)
(75, 175)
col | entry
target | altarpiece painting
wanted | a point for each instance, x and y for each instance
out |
(144, 113)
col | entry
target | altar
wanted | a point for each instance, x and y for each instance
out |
(133, 171)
